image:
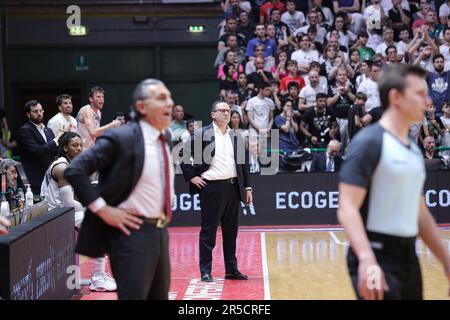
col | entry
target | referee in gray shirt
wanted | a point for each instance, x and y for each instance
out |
(381, 202)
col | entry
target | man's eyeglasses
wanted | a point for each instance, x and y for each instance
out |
(223, 110)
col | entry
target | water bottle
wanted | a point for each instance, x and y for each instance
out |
(20, 200)
(28, 198)
(4, 210)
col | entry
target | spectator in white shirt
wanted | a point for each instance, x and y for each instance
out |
(260, 110)
(370, 88)
(292, 17)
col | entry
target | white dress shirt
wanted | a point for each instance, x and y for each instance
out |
(40, 127)
(147, 197)
(223, 165)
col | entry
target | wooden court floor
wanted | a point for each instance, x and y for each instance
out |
(311, 265)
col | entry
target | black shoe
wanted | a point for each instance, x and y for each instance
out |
(236, 275)
(206, 277)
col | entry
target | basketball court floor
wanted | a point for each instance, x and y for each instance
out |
(283, 263)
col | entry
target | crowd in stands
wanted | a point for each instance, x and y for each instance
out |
(310, 68)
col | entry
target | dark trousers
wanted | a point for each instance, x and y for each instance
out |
(398, 260)
(220, 202)
(140, 263)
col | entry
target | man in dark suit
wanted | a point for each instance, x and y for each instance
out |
(219, 173)
(129, 209)
(37, 145)
(328, 161)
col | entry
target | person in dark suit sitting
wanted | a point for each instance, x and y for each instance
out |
(219, 173)
(129, 209)
(37, 145)
(328, 161)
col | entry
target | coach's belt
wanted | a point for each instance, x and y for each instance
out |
(229, 180)
(158, 222)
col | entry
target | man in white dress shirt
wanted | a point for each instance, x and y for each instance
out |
(220, 175)
(63, 121)
(129, 210)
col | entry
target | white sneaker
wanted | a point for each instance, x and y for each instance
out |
(102, 282)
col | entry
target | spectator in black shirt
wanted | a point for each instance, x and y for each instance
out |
(398, 18)
(341, 95)
(355, 115)
(257, 78)
(245, 27)
(229, 83)
(435, 126)
(319, 123)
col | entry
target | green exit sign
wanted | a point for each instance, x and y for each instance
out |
(82, 63)
(196, 29)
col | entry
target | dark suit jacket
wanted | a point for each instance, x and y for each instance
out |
(36, 155)
(119, 156)
(202, 149)
(319, 162)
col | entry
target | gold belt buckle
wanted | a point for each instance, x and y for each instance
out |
(161, 223)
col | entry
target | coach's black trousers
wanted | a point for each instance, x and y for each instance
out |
(398, 259)
(220, 202)
(140, 263)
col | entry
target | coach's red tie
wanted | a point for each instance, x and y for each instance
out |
(167, 192)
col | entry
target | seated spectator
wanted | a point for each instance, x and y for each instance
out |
(231, 99)
(341, 96)
(13, 180)
(231, 8)
(319, 123)
(439, 83)
(288, 129)
(318, 6)
(355, 64)
(258, 52)
(237, 124)
(444, 49)
(364, 72)
(178, 124)
(230, 59)
(292, 76)
(232, 44)
(308, 93)
(435, 126)
(399, 17)
(229, 83)
(265, 10)
(421, 52)
(365, 52)
(340, 63)
(230, 29)
(292, 17)
(260, 110)
(323, 82)
(63, 120)
(191, 125)
(254, 152)
(313, 21)
(430, 154)
(279, 70)
(245, 27)
(355, 115)
(370, 88)
(415, 130)
(328, 161)
(257, 78)
(328, 61)
(445, 119)
(270, 45)
(305, 55)
(293, 96)
(244, 92)
(345, 37)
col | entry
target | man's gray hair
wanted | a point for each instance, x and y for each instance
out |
(8, 162)
(142, 92)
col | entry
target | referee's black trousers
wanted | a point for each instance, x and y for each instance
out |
(398, 259)
(140, 263)
(220, 203)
